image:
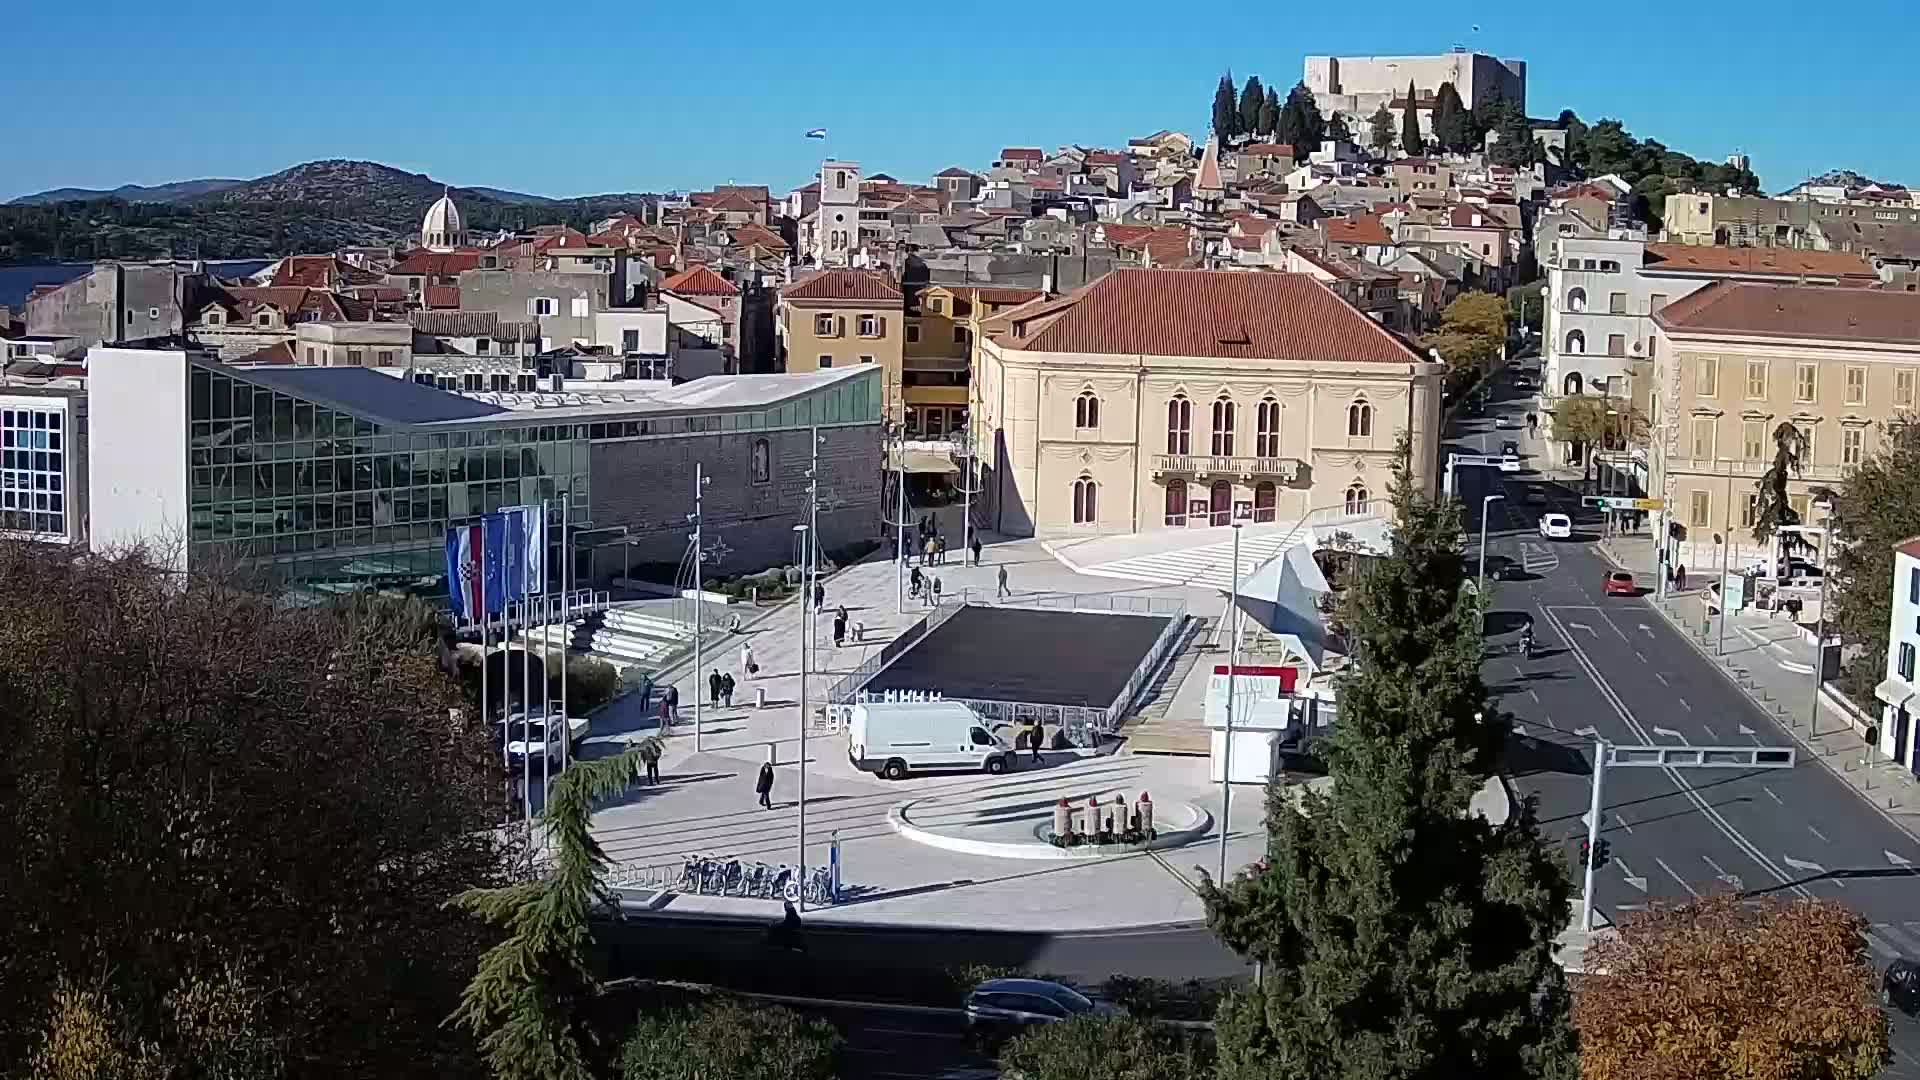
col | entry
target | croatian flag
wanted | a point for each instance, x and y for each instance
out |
(817, 133)
(465, 557)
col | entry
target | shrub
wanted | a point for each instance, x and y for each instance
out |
(1109, 1047)
(732, 1039)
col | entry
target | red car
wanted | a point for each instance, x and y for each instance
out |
(1620, 583)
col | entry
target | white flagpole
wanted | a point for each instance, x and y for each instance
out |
(546, 764)
(566, 584)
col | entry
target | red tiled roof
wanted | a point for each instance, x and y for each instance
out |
(1127, 235)
(1106, 157)
(1207, 313)
(1022, 153)
(1365, 229)
(1787, 262)
(750, 233)
(697, 280)
(734, 202)
(320, 272)
(1244, 243)
(1269, 149)
(1169, 247)
(442, 297)
(1910, 546)
(1821, 312)
(844, 285)
(280, 352)
(955, 171)
(425, 263)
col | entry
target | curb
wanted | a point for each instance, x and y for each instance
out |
(1001, 849)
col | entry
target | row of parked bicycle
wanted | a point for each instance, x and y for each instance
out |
(706, 875)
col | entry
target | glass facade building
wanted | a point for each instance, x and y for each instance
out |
(33, 468)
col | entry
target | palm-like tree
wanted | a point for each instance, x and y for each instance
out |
(1772, 509)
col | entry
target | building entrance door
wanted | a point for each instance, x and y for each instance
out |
(1221, 509)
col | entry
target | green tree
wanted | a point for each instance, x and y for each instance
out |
(1596, 420)
(1337, 129)
(1410, 140)
(1876, 507)
(1303, 125)
(1450, 120)
(1774, 506)
(1118, 1047)
(730, 1039)
(1226, 112)
(1400, 934)
(1252, 97)
(526, 1000)
(1270, 113)
(1380, 131)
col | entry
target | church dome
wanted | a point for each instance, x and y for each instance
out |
(441, 230)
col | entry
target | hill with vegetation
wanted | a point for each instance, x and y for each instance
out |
(178, 191)
(316, 206)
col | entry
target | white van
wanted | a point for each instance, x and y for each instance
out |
(891, 739)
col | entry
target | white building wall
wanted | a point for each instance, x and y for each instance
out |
(1580, 301)
(610, 327)
(137, 450)
(1900, 735)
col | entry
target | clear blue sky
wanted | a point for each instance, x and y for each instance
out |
(585, 96)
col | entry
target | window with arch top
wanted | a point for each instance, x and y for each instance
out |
(1360, 419)
(1576, 341)
(1085, 509)
(1266, 429)
(1357, 498)
(1179, 425)
(1086, 411)
(1223, 411)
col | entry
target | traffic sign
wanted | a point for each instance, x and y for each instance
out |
(1649, 504)
(1619, 502)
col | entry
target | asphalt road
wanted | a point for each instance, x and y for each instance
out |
(1611, 667)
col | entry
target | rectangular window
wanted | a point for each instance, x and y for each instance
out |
(1806, 381)
(508, 348)
(33, 473)
(823, 326)
(1616, 344)
(1853, 442)
(540, 305)
(1656, 302)
(1749, 511)
(580, 307)
(1706, 380)
(1753, 439)
(483, 346)
(913, 335)
(866, 359)
(869, 326)
(1617, 303)
(386, 357)
(1913, 586)
(826, 360)
(356, 358)
(1756, 380)
(1903, 387)
(1856, 386)
(1703, 438)
(1699, 507)
(1799, 504)
(1906, 661)
(630, 341)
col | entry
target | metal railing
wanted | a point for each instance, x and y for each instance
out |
(1112, 603)
(1209, 464)
(1146, 668)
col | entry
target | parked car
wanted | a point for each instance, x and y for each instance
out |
(1503, 568)
(534, 735)
(1900, 986)
(1620, 583)
(1556, 526)
(1009, 1006)
(892, 739)
(1535, 496)
(1504, 421)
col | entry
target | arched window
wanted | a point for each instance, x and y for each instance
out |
(1264, 498)
(1357, 498)
(1179, 425)
(1576, 299)
(1223, 427)
(1085, 511)
(1086, 411)
(1576, 341)
(1177, 503)
(1220, 503)
(1571, 385)
(1266, 435)
(1360, 419)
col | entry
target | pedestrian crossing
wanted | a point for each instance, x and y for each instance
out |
(1894, 940)
(1208, 565)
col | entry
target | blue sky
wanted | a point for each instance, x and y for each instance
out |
(586, 96)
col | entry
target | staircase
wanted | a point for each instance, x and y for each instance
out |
(1209, 565)
(1154, 729)
(624, 636)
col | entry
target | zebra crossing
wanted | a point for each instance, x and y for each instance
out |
(1208, 565)
(1894, 940)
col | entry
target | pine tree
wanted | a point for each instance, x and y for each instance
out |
(1308, 126)
(1252, 97)
(1401, 935)
(1270, 113)
(1337, 129)
(1380, 131)
(1410, 140)
(1449, 119)
(1226, 114)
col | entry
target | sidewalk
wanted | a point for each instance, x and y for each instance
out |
(1769, 660)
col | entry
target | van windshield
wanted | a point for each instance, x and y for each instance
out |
(981, 738)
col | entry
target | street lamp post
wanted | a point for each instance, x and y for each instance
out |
(1820, 632)
(1486, 504)
(700, 482)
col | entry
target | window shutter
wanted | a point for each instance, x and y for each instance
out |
(839, 325)
(881, 325)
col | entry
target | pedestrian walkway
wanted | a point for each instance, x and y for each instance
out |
(1766, 656)
(1202, 558)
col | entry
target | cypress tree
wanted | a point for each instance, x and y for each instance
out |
(1309, 128)
(1252, 97)
(1449, 119)
(1380, 131)
(1226, 114)
(1410, 139)
(1270, 113)
(1402, 936)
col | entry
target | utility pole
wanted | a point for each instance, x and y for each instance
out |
(810, 555)
(1593, 833)
(1233, 664)
(700, 481)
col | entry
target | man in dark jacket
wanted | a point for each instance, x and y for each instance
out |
(713, 689)
(1036, 738)
(764, 785)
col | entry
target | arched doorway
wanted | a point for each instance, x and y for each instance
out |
(1264, 499)
(1571, 384)
(1177, 503)
(1221, 503)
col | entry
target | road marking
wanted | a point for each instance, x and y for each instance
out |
(1732, 880)
(1640, 655)
(1750, 733)
(1683, 704)
(1647, 630)
(1626, 872)
(1668, 733)
(1771, 795)
(1710, 733)
(1877, 945)
(1818, 835)
(1902, 938)
(1810, 868)
(1624, 823)
(1548, 720)
(1678, 878)
(1662, 678)
(1686, 788)
(1583, 626)
(1588, 731)
(1534, 696)
(1897, 860)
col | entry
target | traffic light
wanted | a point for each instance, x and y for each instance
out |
(1586, 853)
(1601, 854)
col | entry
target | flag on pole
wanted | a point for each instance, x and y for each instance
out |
(493, 562)
(816, 133)
(524, 553)
(465, 595)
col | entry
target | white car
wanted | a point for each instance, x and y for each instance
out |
(1556, 526)
(1504, 421)
(534, 735)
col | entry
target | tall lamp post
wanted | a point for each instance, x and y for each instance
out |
(700, 482)
(1820, 633)
(1233, 664)
(1480, 585)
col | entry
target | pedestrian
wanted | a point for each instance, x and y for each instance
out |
(1680, 577)
(726, 690)
(764, 785)
(650, 758)
(936, 588)
(713, 689)
(926, 558)
(1004, 591)
(819, 597)
(915, 582)
(839, 629)
(670, 706)
(1036, 737)
(976, 549)
(939, 551)
(747, 666)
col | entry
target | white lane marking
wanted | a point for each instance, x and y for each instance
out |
(1668, 733)
(1624, 823)
(1777, 800)
(1642, 657)
(1548, 720)
(1750, 733)
(1700, 803)
(1683, 704)
(1583, 626)
(1897, 860)
(1626, 872)
(1710, 733)
(1809, 868)
(1534, 696)
(1903, 938)
(1879, 946)
(1818, 835)
(1647, 630)
(1662, 678)
(1733, 880)
(1678, 878)
(1587, 731)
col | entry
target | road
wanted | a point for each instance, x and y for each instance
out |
(1612, 667)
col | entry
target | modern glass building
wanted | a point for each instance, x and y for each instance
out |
(335, 478)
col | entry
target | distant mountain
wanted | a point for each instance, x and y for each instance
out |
(179, 191)
(513, 196)
(1839, 178)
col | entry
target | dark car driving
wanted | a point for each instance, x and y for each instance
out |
(1900, 986)
(1007, 1006)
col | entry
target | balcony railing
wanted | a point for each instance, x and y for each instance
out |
(1202, 465)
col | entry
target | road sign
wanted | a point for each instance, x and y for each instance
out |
(1649, 504)
(1619, 502)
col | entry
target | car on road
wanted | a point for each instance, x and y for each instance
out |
(1620, 583)
(534, 735)
(1535, 497)
(1504, 421)
(1900, 986)
(1504, 568)
(1009, 1006)
(1556, 526)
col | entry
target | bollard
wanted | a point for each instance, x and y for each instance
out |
(1062, 819)
(1120, 815)
(859, 632)
(1145, 806)
(759, 697)
(1091, 823)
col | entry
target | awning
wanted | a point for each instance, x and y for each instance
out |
(920, 461)
(1894, 692)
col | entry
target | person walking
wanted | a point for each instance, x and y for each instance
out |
(839, 628)
(726, 690)
(650, 759)
(1036, 737)
(763, 786)
(926, 557)
(940, 551)
(1004, 591)
(936, 590)
(747, 666)
(1680, 577)
(915, 582)
(819, 598)
(976, 549)
(669, 706)
(713, 689)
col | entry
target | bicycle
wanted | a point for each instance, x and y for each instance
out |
(819, 890)
(690, 874)
(733, 878)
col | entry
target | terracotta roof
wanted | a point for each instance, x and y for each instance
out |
(751, 233)
(1022, 153)
(1364, 229)
(442, 296)
(280, 352)
(320, 272)
(1169, 247)
(1127, 235)
(1268, 149)
(1106, 157)
(1787, 262)
(1823, 312)
(1909, 547)
(1244, 243)
(956, 171)
(1207, 313)
(844, 285)
(697, 280)
(734, 202)
(755, 193)
(435, 263)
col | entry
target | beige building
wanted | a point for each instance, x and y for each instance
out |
(843, 318)
(1155, 399)
(1736, 220)
(943, 324)
(1734, 361)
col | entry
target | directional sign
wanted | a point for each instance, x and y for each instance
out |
(1620, 502)
(1802, 865)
